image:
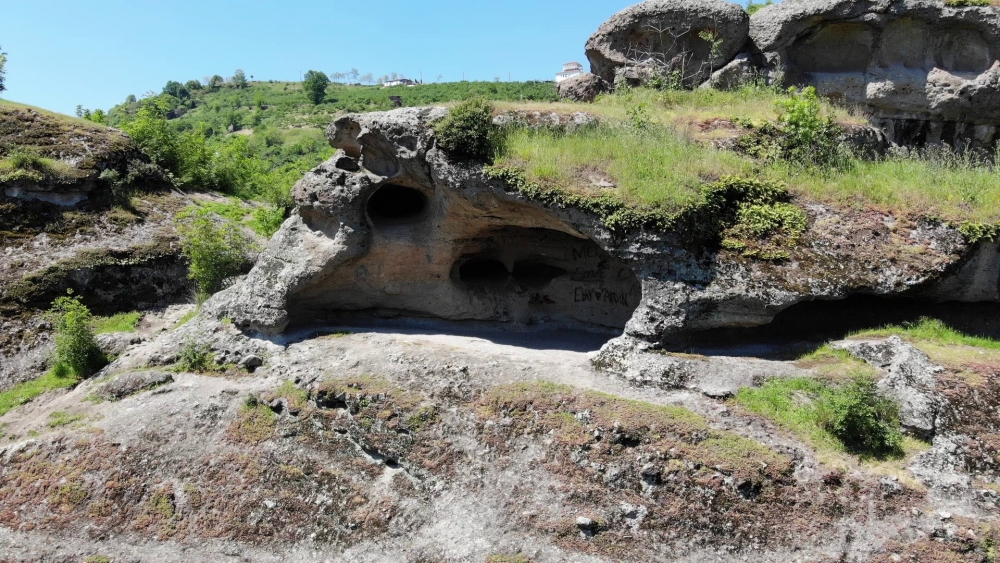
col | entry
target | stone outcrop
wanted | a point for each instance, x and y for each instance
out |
(582, 88)
(668, 35)
(392, 226)
(928, 72)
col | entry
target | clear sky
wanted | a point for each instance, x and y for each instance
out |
(96, 52)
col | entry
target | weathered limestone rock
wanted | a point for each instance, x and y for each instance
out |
(667, 33)
(582, 88)
(927, 71)
(129, 384)
(392, 226)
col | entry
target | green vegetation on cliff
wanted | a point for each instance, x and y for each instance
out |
(654, 150)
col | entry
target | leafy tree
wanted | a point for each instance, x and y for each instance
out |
(216, 82)
(175, 89)
(193, 85)
(315, 86)
(130, 99)
(3, 71)
(77, 353)
(151, 132)
(239, 79)
(217, 249)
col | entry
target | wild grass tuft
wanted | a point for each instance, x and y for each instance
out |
(120, 322)
(931, 330)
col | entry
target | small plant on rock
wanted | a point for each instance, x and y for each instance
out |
(468, 131)
(77, 353)
(194, 357)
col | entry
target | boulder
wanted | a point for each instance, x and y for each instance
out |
(738, 72)
(669, 35)
(926, 71)
(582, 87)
(116, 343)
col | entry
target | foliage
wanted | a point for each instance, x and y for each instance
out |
(468, 131)
(865, 422)
(194, 357)
(217, 249)
(975, 232)
(239, 80)
(24, 392)
(315, 84)
(806, 135)
(3, 71)
(932, 330)
(968, 3)
(753, 7)
(76, 351)
(827, 414)
(175, 89)
(120, 322)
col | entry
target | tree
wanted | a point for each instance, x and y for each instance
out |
(368, 78)
(216, 82)
(315, 86)
(354, 74)
(239, 79)
(192, 85)
(130, 99)
(3, 71)
(337, 77)
(175, 89)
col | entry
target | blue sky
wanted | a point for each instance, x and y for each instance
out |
(96, 52)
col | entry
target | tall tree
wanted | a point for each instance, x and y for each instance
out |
(3, 71)
(368, 78)
(239, 79)
(354, 74)
(216, 82)
(315, 84)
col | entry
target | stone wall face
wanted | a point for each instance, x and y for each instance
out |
(926, 72)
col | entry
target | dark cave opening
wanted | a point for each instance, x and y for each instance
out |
(396, 205)
(483, 270)
(805, 326)
(536, 274)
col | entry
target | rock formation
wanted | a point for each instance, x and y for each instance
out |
(391, 225)
(671, 36)
(927, 71)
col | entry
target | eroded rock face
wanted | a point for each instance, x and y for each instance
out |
(928, 72)
(667, 33)
(392, 226)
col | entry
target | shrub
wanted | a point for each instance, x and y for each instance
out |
(967, 3)
(468, 131)
(216, 249)
(194, 357)
(77, 353)
(865, 422)
(806, 135)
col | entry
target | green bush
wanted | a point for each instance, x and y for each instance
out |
(194, 357)
(967, 3)
(851, 416)
(216, 249)
(468, 131)
(77, 353)
(865, 422)
(806, 135)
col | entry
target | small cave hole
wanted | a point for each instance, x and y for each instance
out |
(483, 271)
(396, 205)
(536, 274)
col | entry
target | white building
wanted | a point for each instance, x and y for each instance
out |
(569, 71)
(400, 82)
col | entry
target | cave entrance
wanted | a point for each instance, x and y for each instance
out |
(804, 327)
(393, 205)
(544, 277)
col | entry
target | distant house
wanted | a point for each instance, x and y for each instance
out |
(569, 71)
(399, 82)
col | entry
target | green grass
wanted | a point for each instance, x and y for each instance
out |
(121, 322)
(931, 330)
(807, 407)
(187, 317)
(24, 392)
(654, 148)
(62, 418)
